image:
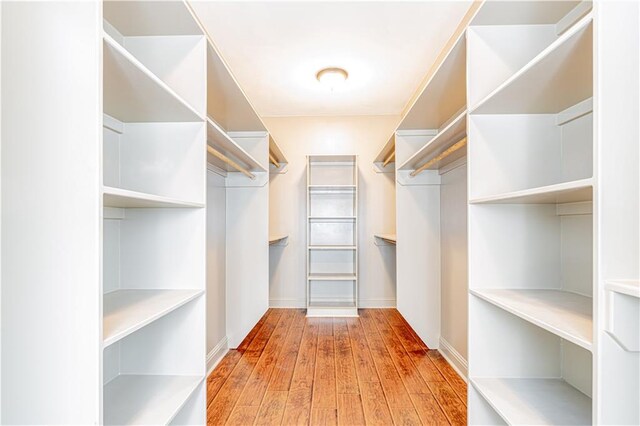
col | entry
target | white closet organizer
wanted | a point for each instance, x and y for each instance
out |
(154, 217)
(332, 235)
(531, 228)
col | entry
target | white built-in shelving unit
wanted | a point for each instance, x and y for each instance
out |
(532, 189)
(332, 235)
(154, 140)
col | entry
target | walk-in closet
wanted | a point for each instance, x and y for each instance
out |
(283, 213)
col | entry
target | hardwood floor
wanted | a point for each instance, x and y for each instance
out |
(373, 370)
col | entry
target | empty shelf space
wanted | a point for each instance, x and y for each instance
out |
(565, 314)
(218, 139)
(327, 276)
(567, 192)
(126, 311)
(447, 137)
(332, 247)
(389, 238)
(535, 401)
(565, 67)
(628, 287)
(146, 399)
(118, 197)
(132, 93)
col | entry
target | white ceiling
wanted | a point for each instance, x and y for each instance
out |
(275, 49)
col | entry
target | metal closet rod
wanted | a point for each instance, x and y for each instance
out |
(453, 148)
(389, 158)
(230, 162)
(273, 160)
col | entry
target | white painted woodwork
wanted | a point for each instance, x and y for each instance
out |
(166, 18)
(332, 236)
(51, 207)
(218, 138)
(247, 243)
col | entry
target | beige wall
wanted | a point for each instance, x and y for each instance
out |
(302, 136)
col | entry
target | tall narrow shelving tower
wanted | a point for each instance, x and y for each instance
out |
(332, 235)
(154, 162)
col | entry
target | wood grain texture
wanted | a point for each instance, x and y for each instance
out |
(373, 370)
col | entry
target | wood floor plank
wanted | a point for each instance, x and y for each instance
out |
(403, 363)
(346, 378)
(242, 416)
(223, 403)
(298, 408)
(284, 365)
(455, 381)
(324, 416)
(254, 331)
(219, 375)
(428, 409)
(394, 390)
(272, 408)
(403, 331)
(400, 318)
(447, 399)
(324, 383)
(374, 404)
(257, 384)
(365, 369)
(350, 412)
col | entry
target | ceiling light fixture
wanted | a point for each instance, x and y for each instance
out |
(332, 77)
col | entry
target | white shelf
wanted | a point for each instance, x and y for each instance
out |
(450, 134)
(565, 314)
(126, 311)
(221, 141)
(332, 218)
(277, 239)
(118, 197)
(557, 78)
(332, 277)
(146, 399)
(389, 238)
(628, 287)
(567, 192)
(132, 93)
(535, 401)
(332, 247)
(332, 188)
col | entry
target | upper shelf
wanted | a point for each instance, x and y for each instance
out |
(151, 18)
(566, 192)
(452, 133)
(124, 198)
(388, 238)
(132, 93)
(222, 142)
(445, 92)
(559, 77)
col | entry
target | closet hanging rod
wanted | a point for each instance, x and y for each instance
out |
(389, 158)
(456, 146)
(230, 162)
(273, 160)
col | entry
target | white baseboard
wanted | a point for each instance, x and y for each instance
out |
(454, 358)
(302, 303)
(216, 354)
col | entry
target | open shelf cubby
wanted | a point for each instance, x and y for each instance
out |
(332, 236)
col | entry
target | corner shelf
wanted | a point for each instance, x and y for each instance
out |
(449, 135)
(126, 311)
(566, 192)
(567, 315)
(388, 238)
(565, 67)
(535, 401)
(118, 197)
(147, 399)
(132, 93)
(276, 240)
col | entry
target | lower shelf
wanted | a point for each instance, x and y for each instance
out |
(146, 399)
(332, 309)
(326, 276)
(535, 401)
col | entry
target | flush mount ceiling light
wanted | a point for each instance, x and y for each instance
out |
(332, 77)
